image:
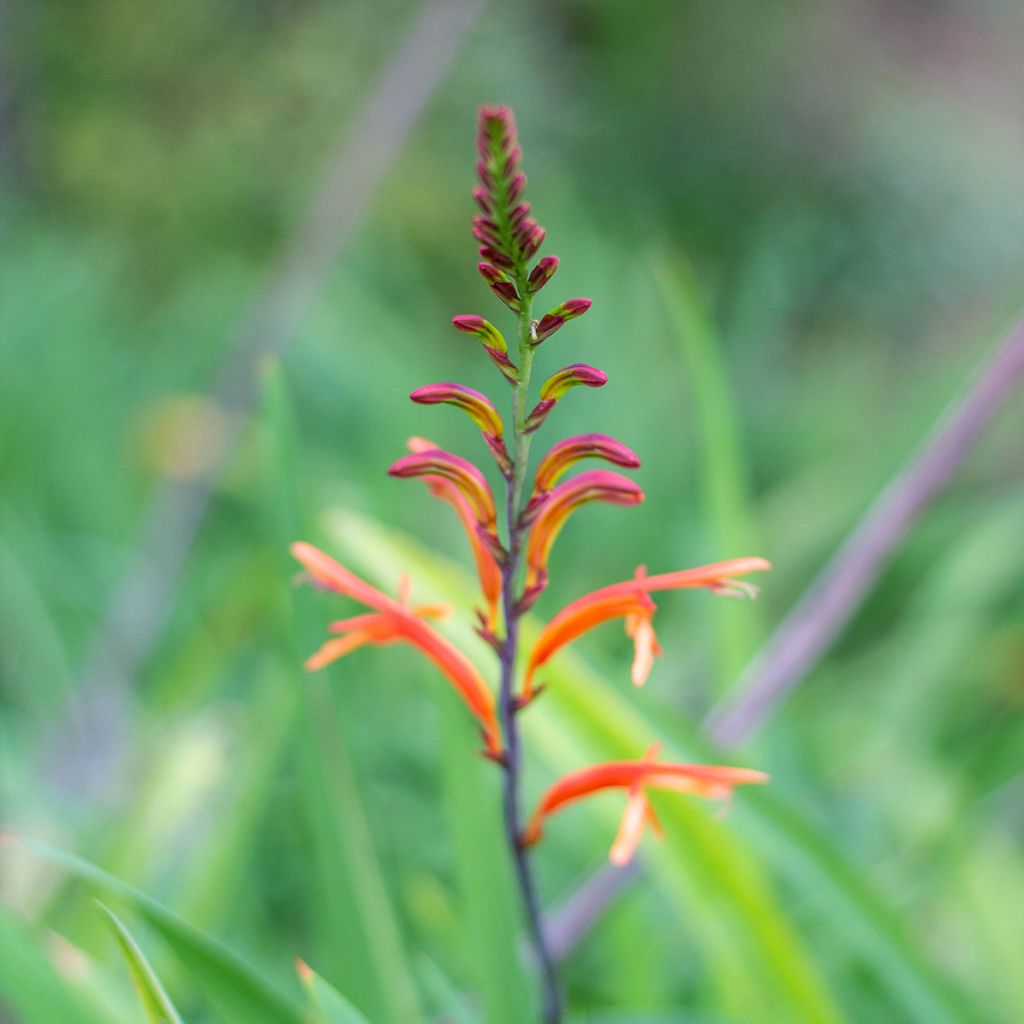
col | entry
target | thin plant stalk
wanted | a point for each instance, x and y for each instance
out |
(508, 702)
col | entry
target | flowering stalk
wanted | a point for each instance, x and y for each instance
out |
(512, 550)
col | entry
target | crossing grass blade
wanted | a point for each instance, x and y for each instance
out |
(724, 477)
(234, 988)
(359, 938)
(31, 988)
(155, 1001)
(327, 1004)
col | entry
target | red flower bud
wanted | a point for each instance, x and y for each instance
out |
(543, 272)
(551, 322)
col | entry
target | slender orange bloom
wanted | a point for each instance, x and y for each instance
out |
(397, 622)
(594, 485)
(487, 568)
(630, 600)
(713, 782)
(462, 473)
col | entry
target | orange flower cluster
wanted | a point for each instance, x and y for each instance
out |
(509, 238)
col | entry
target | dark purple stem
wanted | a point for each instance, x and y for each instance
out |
(509, 707)
(513, 764)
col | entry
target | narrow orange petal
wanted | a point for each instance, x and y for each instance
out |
(337, 648)
(640, 628)
(461, 672)
(576, 619)
(486, 567)
(397, 621)
(710, 781)
(631, 829)
(326, 572)
(629, 598)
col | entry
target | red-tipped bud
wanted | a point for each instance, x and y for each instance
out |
(482, 200)
(509, 370)
(518, 215)
(534, 242)
(500, 285)
(578, 374)
(539, 414)
(496, 256)
(485, 176)
(570, 451)
(543, 272)
(466, 477)
(512, 162)
(490, 273)
(552, 321)
(482, 329)
(516, 186)
(477, 406)
(557, 384)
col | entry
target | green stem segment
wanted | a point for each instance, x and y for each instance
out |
(508, 696)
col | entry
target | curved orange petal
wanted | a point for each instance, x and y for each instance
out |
(397, 622)
(634, 817)
(710, 781)
(326, 572)
(461, 672)
(576, 619)
(462, 473)
(629, 599)
(594, 485)
(487, 568)
(380, 630)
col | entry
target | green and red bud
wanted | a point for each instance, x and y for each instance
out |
(570, 377)
(584, 446)
(482, 200)
(479, 409)
(470, 323)
(542, 272)
(493, 342)
(500, 285)
(557, 385)
(553, 320)
(476, 405)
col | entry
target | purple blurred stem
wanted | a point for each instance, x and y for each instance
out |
(807, 633)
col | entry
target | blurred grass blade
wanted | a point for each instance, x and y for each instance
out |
(155, 1000)
(31, 987)
(359, 937)
(724, 478)
(234, 987)
(329, 1006)
(449, 1004)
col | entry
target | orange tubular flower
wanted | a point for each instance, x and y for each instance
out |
(464, 475)
(630, 600)
(594, 485)
(396, 622)
(487, 568)
(709, 781)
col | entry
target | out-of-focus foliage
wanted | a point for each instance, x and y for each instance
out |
(801, 225)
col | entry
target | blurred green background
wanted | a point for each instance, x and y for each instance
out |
(802, 226)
